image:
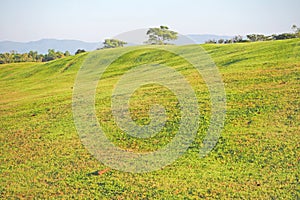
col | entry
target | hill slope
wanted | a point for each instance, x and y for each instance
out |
(257, 155)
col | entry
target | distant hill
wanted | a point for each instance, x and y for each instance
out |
(43, 45)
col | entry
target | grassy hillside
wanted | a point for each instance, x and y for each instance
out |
(257, 155)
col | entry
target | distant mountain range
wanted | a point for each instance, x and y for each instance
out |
(43, 45)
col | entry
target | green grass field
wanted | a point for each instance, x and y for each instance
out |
(257, 155)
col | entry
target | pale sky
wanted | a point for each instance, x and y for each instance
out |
(94, 20)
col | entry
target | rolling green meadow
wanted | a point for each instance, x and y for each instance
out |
(256, 157)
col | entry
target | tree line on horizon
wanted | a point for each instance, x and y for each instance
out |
(258, 37)
(156, 36)
(31, 56)
(34, 56)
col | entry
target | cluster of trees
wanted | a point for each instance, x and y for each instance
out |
(235, 39)
(32, 56)
(259, 37)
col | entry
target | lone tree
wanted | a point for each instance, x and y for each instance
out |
(113, 43)
(161, 35)
(296, 30)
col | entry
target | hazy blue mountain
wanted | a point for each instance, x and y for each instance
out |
(43, 45)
